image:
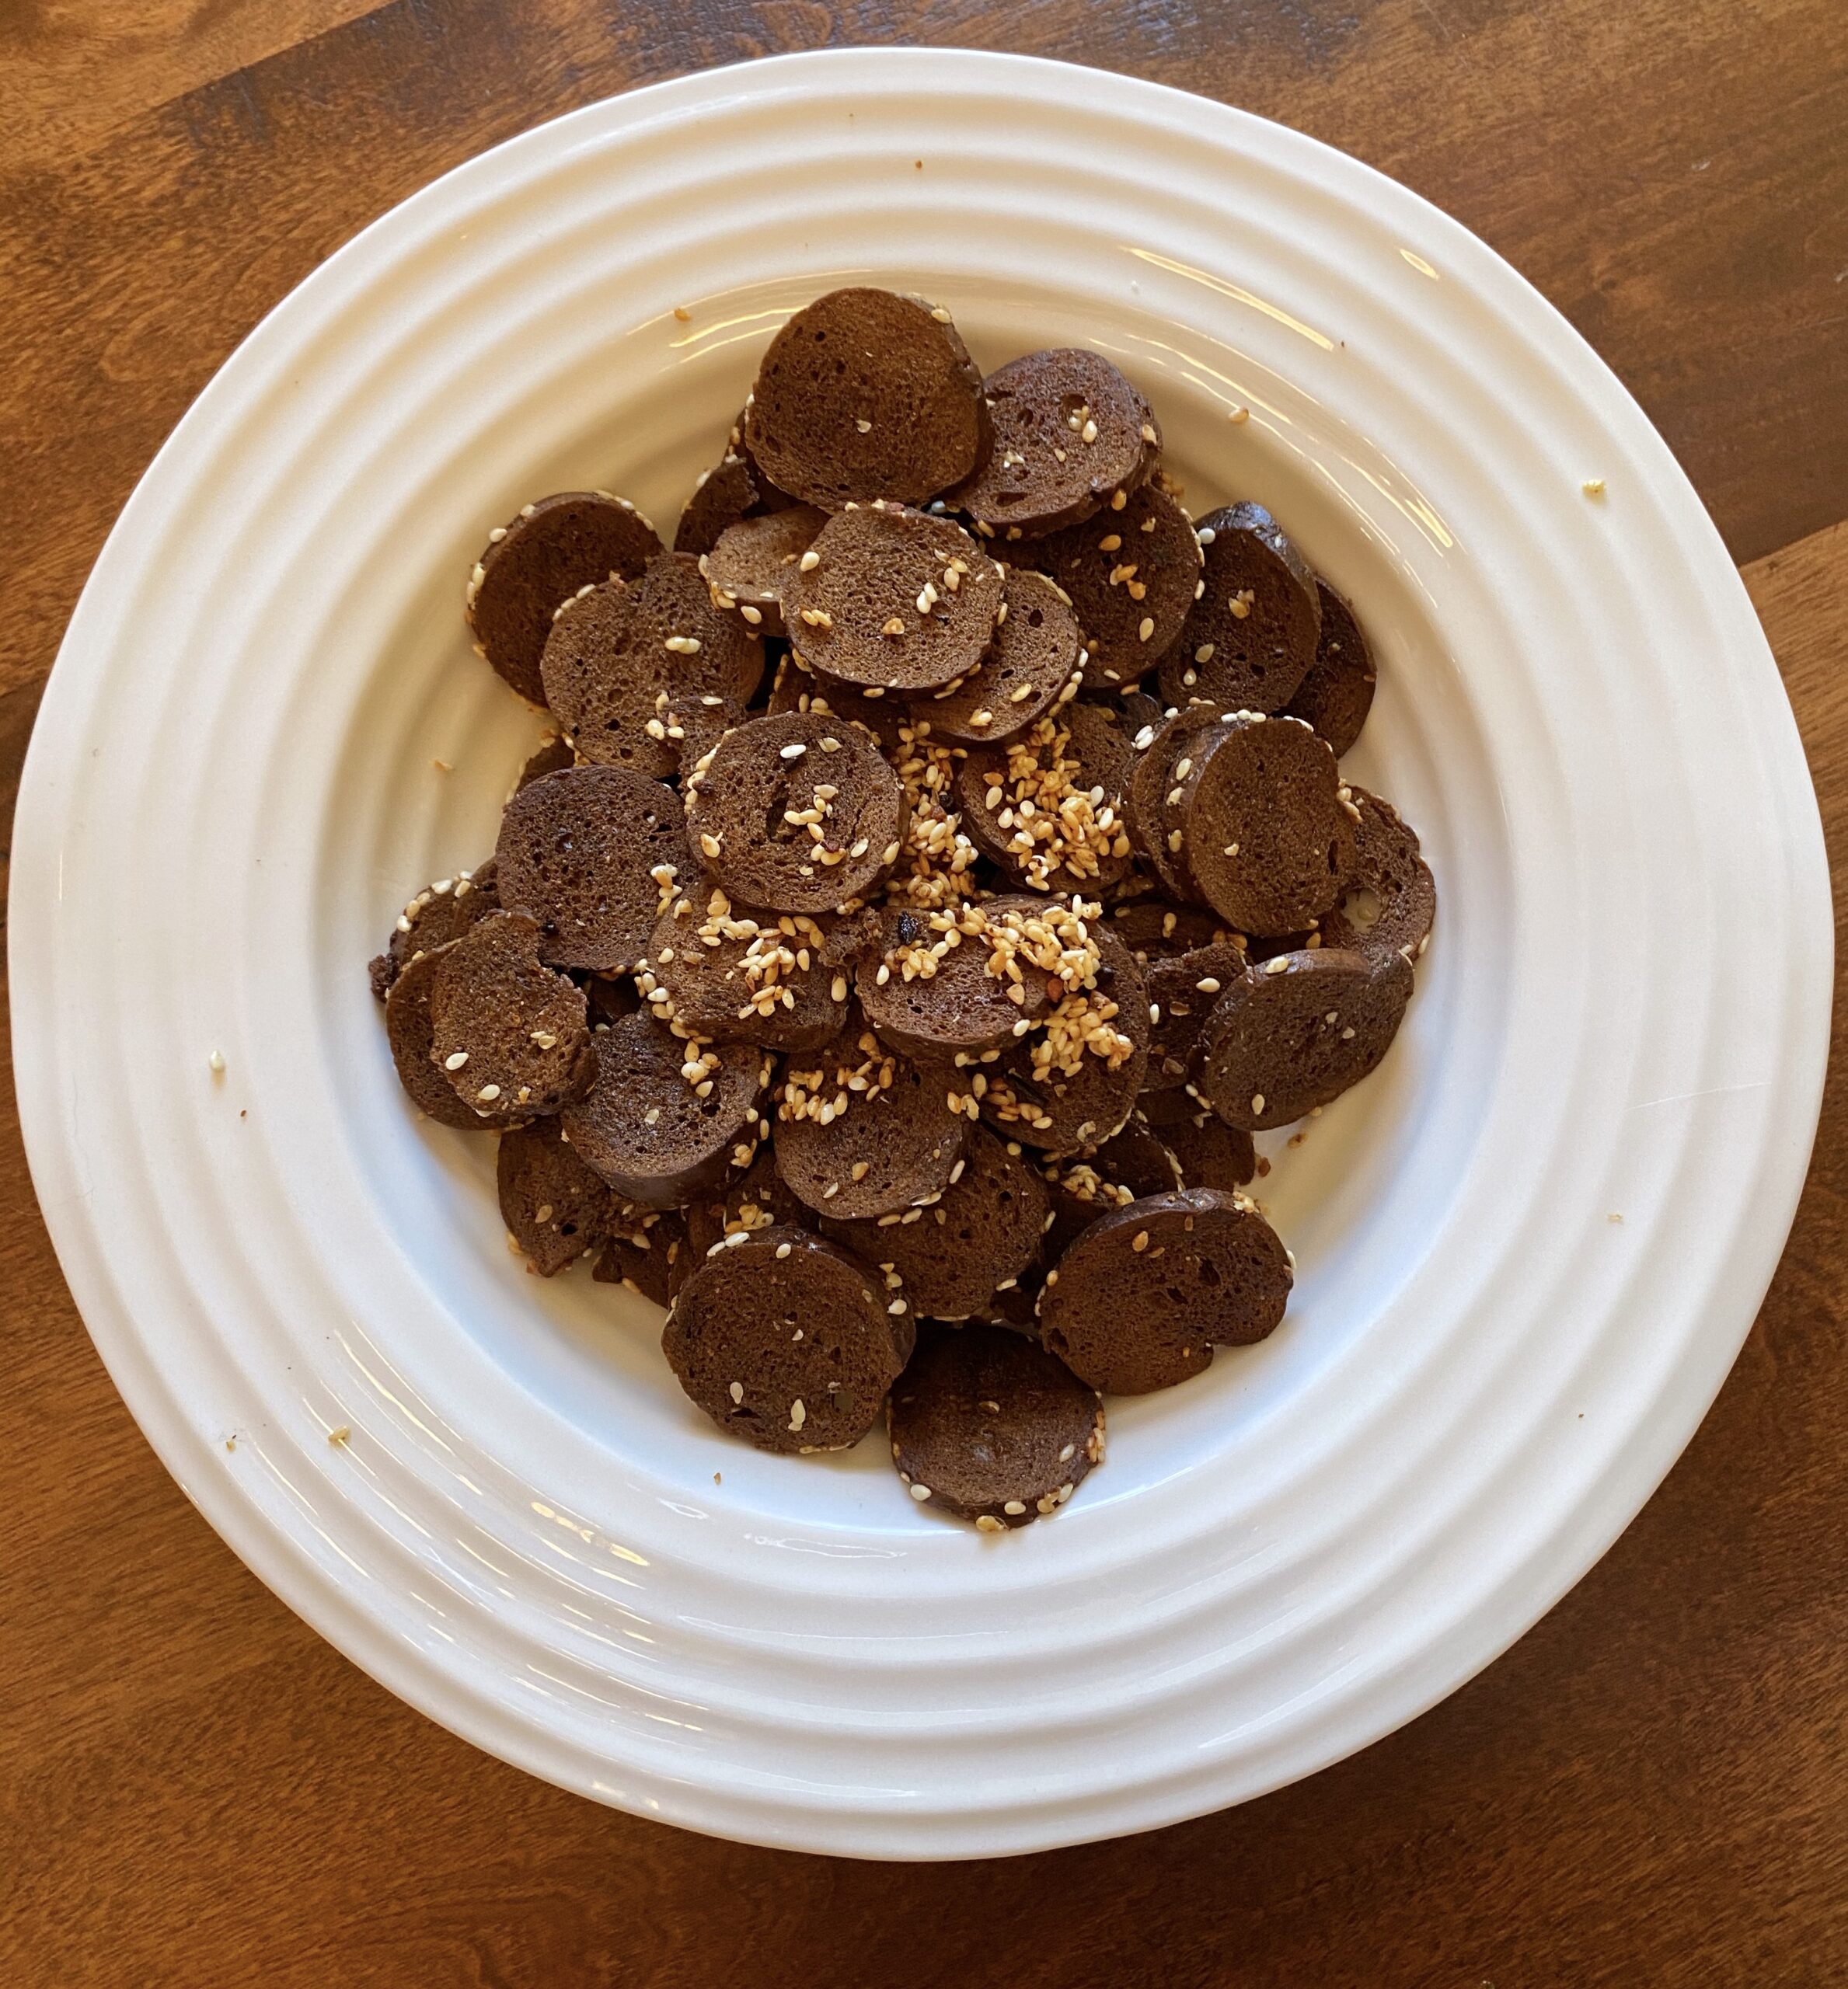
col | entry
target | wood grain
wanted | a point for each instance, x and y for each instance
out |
(1648, 1789)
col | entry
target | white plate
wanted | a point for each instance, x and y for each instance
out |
(1482, 1374)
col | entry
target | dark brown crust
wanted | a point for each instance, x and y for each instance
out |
(1127, 1321)
(1080, 735)
(695, 1144)
(1269, 788)
(432, 919)
(723, 496)
(1148, 544)
(544, 554)
(623, 696)
(407, 1030)
(744, 570)
(1023, 489)
(520, 1027)
(1269, 1053)
(1209, 1153)
(1036, 650)
(1151, 780)
(555, 1208)
(867, 356)
(1085, 1108)
(901, 1132)
(737, 803)
(711, 987)
(1258, 660)
(987, 1426)
(962, 1007)
(1388, 866)
(576, 850)
(873, 564)
(949, 1257)
(788, 1318)
(553, 755)
(1183, 989)
(651, 1256)
(1336, 694)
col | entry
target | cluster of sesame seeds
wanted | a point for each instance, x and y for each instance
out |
(776, 947)
(816, 1092)
(1082, 1180)
(935, 857)
(1053, 823)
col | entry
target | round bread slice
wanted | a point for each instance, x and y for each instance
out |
(1209, 1153)
(866, 394)
(796, 688)
(408, 1031)
(987, 1425)
(555, 1208)
(590, 853)
(1183, 989)
(1152, 782)
(1338, 693)
(646, 674)
(1298, 1031)
(982, 980)
(1265, 837)
(553, 755)
(1140, 1299)
(745, 569)
(1133, 1162)
(657, 1135)
(1071, 436)
(860, 1132)
(1034, 662)
(893, 600)
(948, 1258)
(1131, 575)
(542, 558)
(734, 975)
(721, 496)
(787, 1341)
(750, 1201)
(1155, 928)
(1073, 1083)
(1392, 901)
(439, 913)
(650, 1254)
(1249, 639)
(510, 1034)
(1070, 768)
(796, 812)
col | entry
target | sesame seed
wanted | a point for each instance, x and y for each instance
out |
(488, 1093)
(339, 1435)
(920, 1492)
(1141, 1241)
(754, 616)
(809, 561)
(1257, 1105)
(941, 316)
(1208, 986)
(215, 1062)
(1173, 841)
(1146, 629)
(709, 842)
(897, 1307)
(1277, 963)
(831, 745)
(1088, 433)
(737, 1391)
(798, 1415)
(1120, 499)
(987, 1523)
(683, 645)
(783, 1249)
(456, 1059)
(1593, 486)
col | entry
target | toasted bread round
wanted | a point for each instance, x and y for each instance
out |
(1249, 639)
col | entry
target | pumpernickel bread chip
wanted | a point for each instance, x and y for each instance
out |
(439, 913)
(861, 1131)
(666, 1120)
(1140, 1299)
(936, 983)
(744, 570)
(987, 1426)
(1266, 834)
(1156, 928)
(1182, 988)
(1297, 1031)
(796, 812)
(787, 1341)
(510, 1034)
(541, 558)
(893, 600)
(1249, 639)
(751, 1200)
(1209, 1153)
(1071, 436)
(590, 853)
(1392, 900)
(1033, 664)
(408, 1031)
(735, 975)
(1069, 769)
(646, 674)
(650, 1253)
(948, 1257)
(1149, 793)
(865, 394)
(555, 1208)
(1133, 1162)
(1131, 575)
(1336, 694)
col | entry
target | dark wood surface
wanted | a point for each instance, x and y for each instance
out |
(1651, 1789)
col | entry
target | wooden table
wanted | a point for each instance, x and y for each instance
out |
(1650, 1789)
